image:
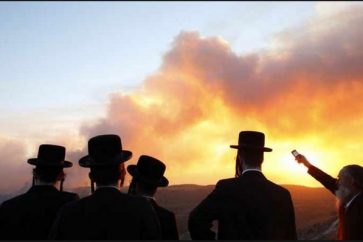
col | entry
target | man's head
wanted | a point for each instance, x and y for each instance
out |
(350, 182)
(143, 188)
(251, 147)
(109, 175)
(106, 160)
(250, 158)
(148, 175)
(48, 175)
(49, 164)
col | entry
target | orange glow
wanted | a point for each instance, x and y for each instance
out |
(190, 111)
(305, 95)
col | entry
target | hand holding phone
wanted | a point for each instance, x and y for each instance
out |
(300, 158)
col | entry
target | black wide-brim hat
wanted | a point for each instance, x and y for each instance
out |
(251, 140)
(149, 170)
(105, 150)
(51, 156)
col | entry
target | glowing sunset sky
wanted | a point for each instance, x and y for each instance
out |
(178, 81)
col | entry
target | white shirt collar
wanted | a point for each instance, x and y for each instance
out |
(351, 200)
(251, 169)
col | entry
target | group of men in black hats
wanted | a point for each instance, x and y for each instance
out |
(248, 206)
(45, 212)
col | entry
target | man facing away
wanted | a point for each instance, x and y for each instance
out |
(148, 175)
(248, 206)
(30, 216)
(348, 190)
(107, 213)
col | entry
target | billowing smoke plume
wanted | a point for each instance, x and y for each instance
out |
(304, 92)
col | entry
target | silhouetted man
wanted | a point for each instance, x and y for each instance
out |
(107, 213)
(248, 206)
(148, 175)
(31, 215)
(348, 190)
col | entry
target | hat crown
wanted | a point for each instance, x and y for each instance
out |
(51, 153)
(150, 168)
(104, 147)
(251, 138)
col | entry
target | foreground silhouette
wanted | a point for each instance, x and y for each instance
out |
(248, 206)
(31, 215)
(348, 189)
(148, 175)
(107, 213)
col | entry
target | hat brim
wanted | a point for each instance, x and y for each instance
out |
(134, 172)
(123, 156)
(264, 149)
(39, 162)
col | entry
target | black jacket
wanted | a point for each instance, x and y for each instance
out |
(107, 214)
(31, 215)
(248, 207)
(167, 220)
(351, 218)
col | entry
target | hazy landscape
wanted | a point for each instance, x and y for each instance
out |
(314, 207)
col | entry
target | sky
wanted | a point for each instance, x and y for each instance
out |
(179, 80)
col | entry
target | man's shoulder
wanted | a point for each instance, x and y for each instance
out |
(235, 181)
(69, 195)
(164, 211)
(77, 207)
(278, 188)
(136, 201)
(119, 199)
(226, 181)
(15, 201)
(75, 204)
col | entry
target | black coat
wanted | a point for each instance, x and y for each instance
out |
(167, 220)
(31, 215)
(248, 207)
(351, 218)
(107, 214)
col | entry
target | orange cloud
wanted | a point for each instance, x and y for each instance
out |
(305, 95)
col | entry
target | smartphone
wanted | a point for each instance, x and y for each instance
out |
(295, 153)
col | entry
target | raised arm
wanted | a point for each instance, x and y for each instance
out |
(326, 180)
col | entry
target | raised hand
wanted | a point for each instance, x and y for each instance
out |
(301, 159)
